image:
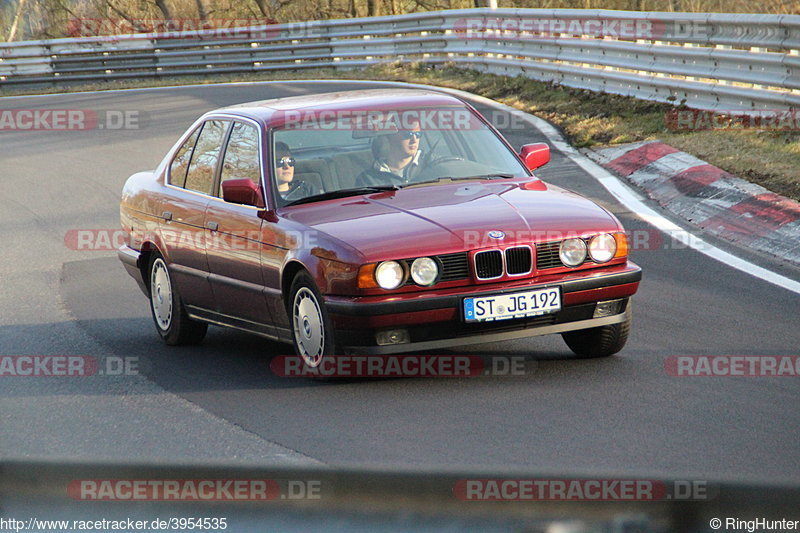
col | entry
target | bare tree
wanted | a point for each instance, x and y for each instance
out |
(12, 34)
(263, 7)
(373, 8)
(202, 12)
(125, 16)
(164, 8)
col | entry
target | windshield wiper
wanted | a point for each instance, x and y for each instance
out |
(489, 176)
(463, 178)
(343, 193)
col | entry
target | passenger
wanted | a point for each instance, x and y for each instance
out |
(397, 159)
(289, 188)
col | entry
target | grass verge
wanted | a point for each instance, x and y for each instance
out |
(588, 119)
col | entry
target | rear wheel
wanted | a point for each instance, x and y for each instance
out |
(602, 341)
(311, 327)
(172, 322)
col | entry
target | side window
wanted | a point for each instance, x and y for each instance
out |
(241, 155)
(177, 170)
(200, 176)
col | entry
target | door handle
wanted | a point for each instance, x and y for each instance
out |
(166, 215)
(213, 226)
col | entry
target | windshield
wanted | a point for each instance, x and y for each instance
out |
(331, 154)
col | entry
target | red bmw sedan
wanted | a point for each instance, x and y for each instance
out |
(373, 222)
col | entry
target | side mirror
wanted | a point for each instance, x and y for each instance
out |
(535, 155)
(269, 215)
(242, 191)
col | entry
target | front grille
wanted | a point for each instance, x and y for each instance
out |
(489, 264)
(518, 260)
(454, 266)
(547, 255)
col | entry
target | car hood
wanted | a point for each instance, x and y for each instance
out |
(453, 217)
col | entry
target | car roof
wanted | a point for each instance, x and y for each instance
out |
(343, 100)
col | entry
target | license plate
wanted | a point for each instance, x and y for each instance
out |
(516, 305)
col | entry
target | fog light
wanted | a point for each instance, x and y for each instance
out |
(392, 336)
(609, 308)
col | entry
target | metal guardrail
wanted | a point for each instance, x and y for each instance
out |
(706, 61)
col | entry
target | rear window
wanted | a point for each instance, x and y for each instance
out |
(177, 170)
(203, 167)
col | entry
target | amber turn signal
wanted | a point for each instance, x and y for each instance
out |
(622, 245)
(366, 277)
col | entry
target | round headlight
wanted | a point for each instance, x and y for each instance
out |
(424, 271)
(389, 275)
(572, 252)
(602, 247)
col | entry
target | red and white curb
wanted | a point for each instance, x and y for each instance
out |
(720, 203)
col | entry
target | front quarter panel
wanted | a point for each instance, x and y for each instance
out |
(332, 263)
(289, 247)
(294, 243)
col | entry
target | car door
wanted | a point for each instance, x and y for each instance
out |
(280, 237)
(233, 236)
(191, 178)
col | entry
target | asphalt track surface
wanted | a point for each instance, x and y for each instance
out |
(219, 402)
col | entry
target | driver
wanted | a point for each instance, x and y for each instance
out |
(397, 159)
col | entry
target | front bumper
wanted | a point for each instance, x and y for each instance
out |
(498, 336)
(435, 319)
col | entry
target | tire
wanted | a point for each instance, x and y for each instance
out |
(312, 331)
(602, 341)
(169, 316)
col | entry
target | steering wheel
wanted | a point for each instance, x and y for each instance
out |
(443, 159)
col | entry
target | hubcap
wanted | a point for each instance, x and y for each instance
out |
(309, 331)
(161, 294)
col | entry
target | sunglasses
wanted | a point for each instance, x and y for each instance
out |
(408, 134)
(284, 161)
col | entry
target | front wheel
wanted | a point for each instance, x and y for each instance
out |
(602, 341)
(172, 322)
(311, 327)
